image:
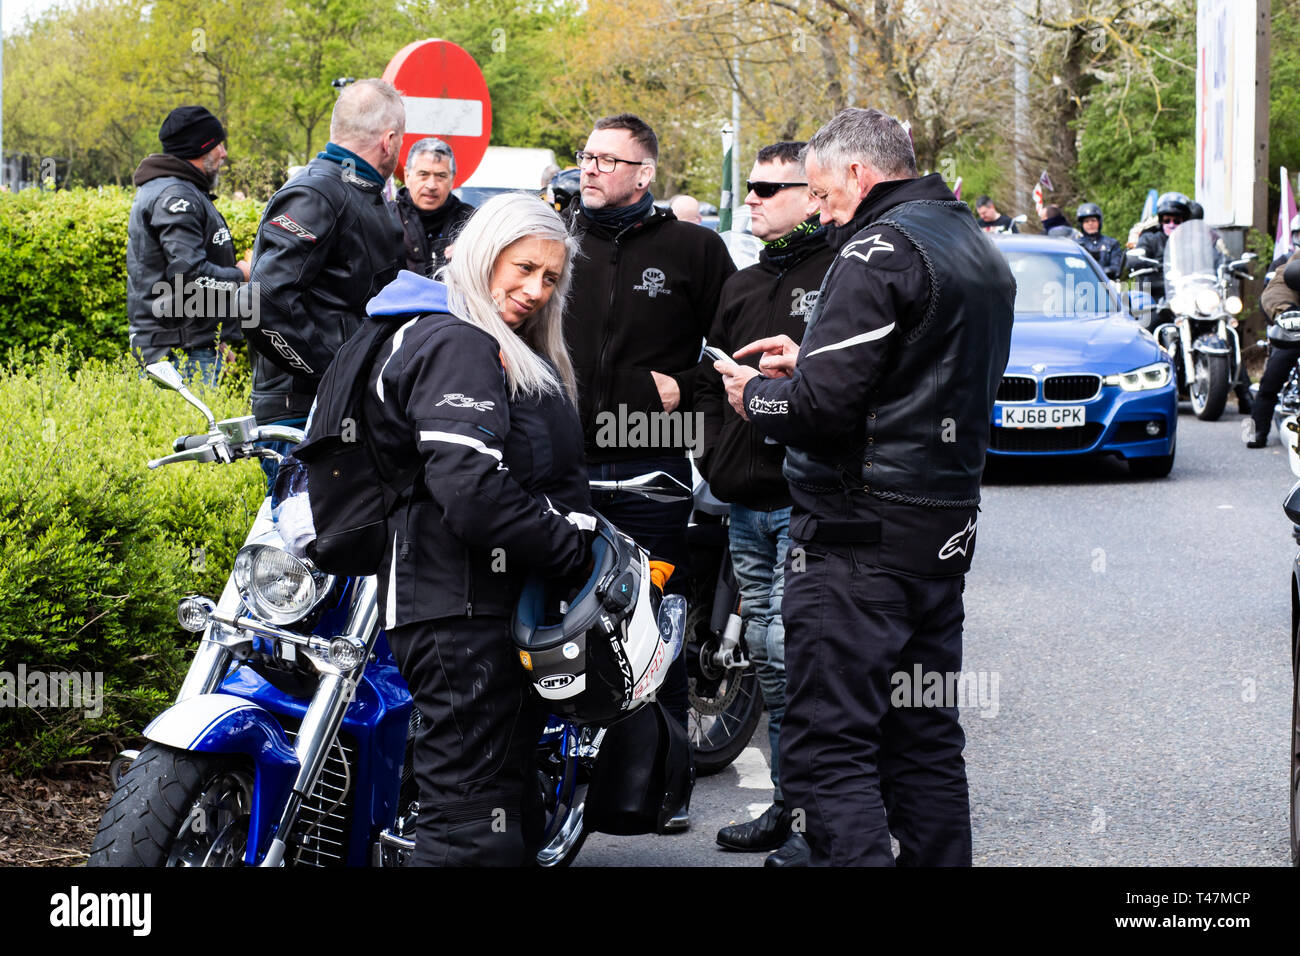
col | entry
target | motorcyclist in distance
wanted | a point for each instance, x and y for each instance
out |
(1106, 250)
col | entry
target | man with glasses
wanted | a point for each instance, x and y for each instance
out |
(645, 288)
(774, 296)
(431, 216)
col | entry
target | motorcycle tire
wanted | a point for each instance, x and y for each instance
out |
(177, 808)
(1295, 755)
(724, 708)
(564, 796)
(1209, 388)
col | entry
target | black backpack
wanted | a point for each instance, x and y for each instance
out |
(351, 489)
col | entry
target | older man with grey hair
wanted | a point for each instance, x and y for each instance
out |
(326, 245)
(430, 214)
(884, 410)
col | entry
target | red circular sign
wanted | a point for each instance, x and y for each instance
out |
(445, 96)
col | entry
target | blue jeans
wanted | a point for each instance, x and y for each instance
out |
(269, 465)
(759, 542)
(201, 364)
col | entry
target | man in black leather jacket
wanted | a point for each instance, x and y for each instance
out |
(182, 277)
(1105, 249)
(884, 410)
(430, 214)
(326, 245)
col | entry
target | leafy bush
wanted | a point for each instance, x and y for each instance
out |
(95, 549)
(64, 256)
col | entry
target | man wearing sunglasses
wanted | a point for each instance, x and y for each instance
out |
(645, 289)
(774, 296)
(884, 411)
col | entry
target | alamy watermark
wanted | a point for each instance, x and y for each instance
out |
(921, 688)
(206, 297)
(82, 690)
(625, 429)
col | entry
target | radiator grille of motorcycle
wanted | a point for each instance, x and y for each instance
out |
(1071, 388)
(1045, 440)
(1017, 388)
(322, 830)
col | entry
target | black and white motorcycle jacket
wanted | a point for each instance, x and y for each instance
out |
(326, 245)
(886, 416)
(176, 238)
(503, 489)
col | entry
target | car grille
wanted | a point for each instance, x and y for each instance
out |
(1017, 388)
(1071, 388)
(323, 837)
(1044, 440)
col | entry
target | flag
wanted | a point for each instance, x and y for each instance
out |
(956, 189)
(1285, 213)
(728, 188)
(1149, 207)
(1044, 182)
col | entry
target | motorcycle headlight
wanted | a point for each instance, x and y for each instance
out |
(1233, 304)
(278, 587)
(1183, 303)
(1207, 300)
(1156, 375)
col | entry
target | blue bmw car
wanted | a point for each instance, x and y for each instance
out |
(1083, 377)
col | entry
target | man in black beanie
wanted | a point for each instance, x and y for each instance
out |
(182, 273)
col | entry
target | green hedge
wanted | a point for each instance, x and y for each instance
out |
(63, 266)
(95, 549)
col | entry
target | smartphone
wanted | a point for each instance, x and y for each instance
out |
(717, 354)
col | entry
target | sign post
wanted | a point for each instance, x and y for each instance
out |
(445, 96)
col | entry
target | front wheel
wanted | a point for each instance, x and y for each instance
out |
(1209, 386)
(725, 703)
(562, 776)
(177, 808)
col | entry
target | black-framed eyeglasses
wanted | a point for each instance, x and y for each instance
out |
(768, 190)
(606, 164)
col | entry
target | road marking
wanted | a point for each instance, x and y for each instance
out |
(751, 767)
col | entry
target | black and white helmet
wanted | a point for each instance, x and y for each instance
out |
(598, 653)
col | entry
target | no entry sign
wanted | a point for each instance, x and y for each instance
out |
(445, 96)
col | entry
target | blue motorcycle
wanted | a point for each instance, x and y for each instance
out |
(290, 740)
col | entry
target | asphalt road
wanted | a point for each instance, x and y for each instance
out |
(1136, 632)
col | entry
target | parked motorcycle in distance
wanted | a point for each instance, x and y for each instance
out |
(290, 740)
(1292, 508)
(1200, 306)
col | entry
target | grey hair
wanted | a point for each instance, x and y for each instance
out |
(365, 111)
(496, 224)
(867, 136)
(433, 147)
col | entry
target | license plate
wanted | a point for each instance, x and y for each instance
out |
(1038, 416)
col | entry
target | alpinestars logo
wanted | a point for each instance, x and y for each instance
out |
(959, 543)
(763, 406)
(863, 248)
(288, 225)
(652, 283)
(178, 205)
(457, 400)
(221, 236)
(280, 345)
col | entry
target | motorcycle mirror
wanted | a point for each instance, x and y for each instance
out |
(165, 374)
(656, 485)
(1292, 503)
(1292, 274)
(1021, 219)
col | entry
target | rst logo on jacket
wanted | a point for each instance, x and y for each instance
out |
(288, 225)
(178, 205)
(457, 400)
(652, 283)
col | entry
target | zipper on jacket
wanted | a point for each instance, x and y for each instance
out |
(602, 364)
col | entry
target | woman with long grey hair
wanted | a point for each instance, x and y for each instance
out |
(476, 395)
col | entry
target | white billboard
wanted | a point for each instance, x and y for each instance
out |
(1225, 110)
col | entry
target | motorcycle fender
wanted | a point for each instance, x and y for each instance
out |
(1211, 345)
(225, 724)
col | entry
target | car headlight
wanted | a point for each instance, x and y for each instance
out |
(278, 587)
(1207, 300)
(1156, 375)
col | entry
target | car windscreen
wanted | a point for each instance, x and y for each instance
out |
(1058, 283)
